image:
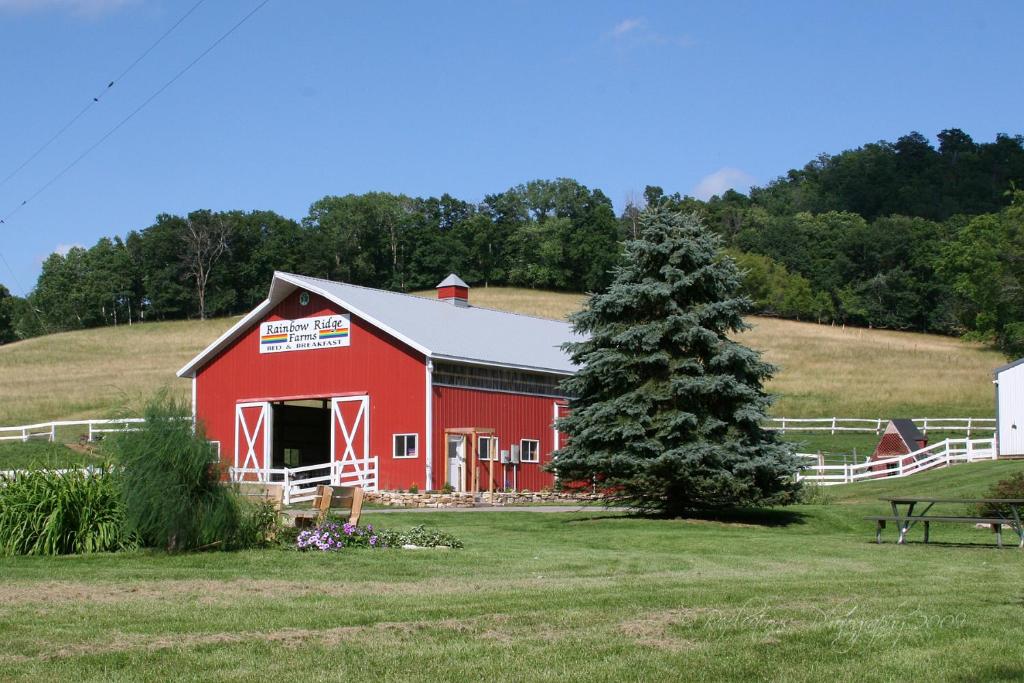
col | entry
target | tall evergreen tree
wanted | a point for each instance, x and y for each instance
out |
(666, 408)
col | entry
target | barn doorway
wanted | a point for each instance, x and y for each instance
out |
(455, 472)
(301, 433)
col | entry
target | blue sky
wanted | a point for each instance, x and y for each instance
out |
(318, 97)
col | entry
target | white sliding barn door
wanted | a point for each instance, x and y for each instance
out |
(350, 441)
(253, 442)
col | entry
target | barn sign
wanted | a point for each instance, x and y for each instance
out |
(304, 334)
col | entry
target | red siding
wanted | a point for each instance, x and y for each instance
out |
(452, 292)
(512, 416)
(391, 373)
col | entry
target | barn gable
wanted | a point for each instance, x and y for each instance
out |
(900, 438)
(467, 334)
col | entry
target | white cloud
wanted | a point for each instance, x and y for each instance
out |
(63, 249)
(635, 31)
(721, 180)
(621, 28)
(77, 7)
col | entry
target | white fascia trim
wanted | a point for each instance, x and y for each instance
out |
(511, 366)
(429, 427)
(224, 339)
(300, 282)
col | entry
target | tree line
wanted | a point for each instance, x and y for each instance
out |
(901, 235)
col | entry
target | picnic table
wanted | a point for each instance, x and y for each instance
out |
(906, 513)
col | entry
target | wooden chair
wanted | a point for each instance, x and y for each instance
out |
(263, 493)
(339, 498)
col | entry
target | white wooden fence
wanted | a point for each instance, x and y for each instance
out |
(941, 454)
(876, 425)
(300, 482)
(48, 430)
(833, 425)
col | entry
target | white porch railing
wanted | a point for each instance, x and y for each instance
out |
(300, 482)
(877, 424)
(48, 430)
(948, 452)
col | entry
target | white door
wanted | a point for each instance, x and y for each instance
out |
(456, 457)
(252, 441)
(1011, 411)
(350, 440)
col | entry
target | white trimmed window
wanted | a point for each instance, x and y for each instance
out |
(529, 450)
(487, 447)
(406, 445)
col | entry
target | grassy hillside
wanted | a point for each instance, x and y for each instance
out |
(824, 370)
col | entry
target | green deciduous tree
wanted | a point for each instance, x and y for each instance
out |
(666, 408)
(7, 331)
(986, 264)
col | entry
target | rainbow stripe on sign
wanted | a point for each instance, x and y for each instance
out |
(274, 338)
(339, 333)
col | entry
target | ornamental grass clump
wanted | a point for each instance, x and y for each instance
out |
(61, 512)
(172, 494)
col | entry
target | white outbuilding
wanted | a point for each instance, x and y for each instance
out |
(1010, 408)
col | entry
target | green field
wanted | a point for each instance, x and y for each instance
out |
(14, 455)
(800, 595)
(824, 370)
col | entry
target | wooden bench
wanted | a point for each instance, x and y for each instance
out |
(880, 520)
(328, 498)
(262, 493)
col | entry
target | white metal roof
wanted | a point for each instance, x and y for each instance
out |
(452, 280)
(435, 328)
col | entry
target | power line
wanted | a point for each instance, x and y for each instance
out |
(95, 100)
(135, 111)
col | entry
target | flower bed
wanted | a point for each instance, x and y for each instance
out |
(334, 536)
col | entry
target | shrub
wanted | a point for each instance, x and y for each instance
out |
(810, 494)
(447, 488)
(50, 512)
(172, 494)
(419, 536)
(1011, 487)
(413, 488)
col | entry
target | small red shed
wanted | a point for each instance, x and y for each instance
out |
(901, 437)
(332, 382)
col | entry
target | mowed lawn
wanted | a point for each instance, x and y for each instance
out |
(804, 595)
(824, 370)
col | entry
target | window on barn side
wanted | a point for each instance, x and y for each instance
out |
(487, 447)
(497, 379)
(406, 445)
(529, 450)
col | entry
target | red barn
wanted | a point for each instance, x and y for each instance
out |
(326, 381)
(901, 437)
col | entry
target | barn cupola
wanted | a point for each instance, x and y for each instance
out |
(453, 290)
